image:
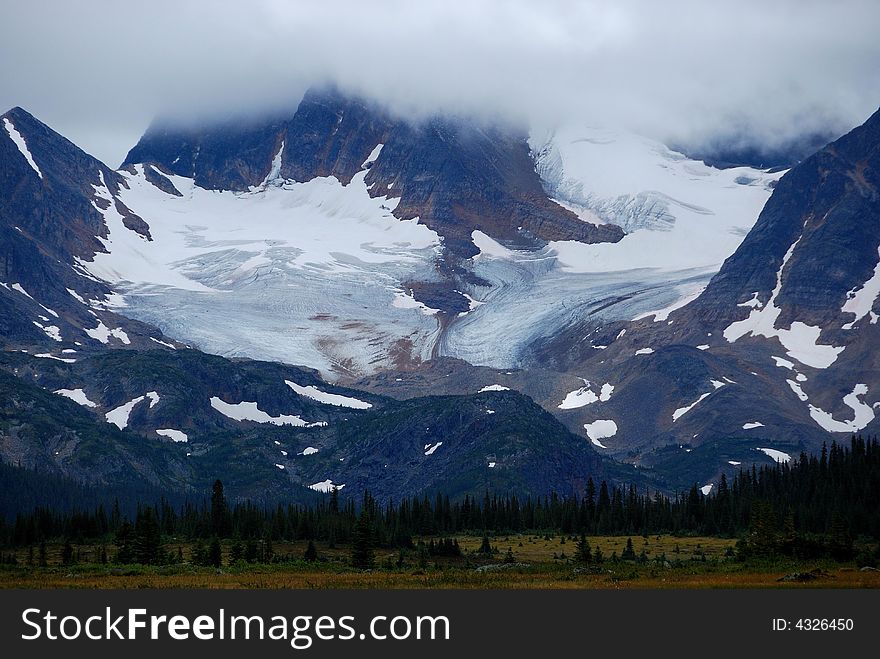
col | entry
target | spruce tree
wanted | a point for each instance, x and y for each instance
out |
(362, 556)
(219, 510)
(582, 553)
(251, 551)
(236, 552)
(147, 538)
(199, 555)
(311, 552)
(125, 543)
(67, 553)
(215, 552)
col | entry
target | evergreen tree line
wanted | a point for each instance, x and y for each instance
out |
(812, 504)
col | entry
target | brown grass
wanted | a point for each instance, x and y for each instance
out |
(536, 568)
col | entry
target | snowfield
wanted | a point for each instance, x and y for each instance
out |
(315, 273)
(287, 273)
(678, 213)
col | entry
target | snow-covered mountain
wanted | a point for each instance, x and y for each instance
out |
(311, 241)
(779, 353)
(643, 298)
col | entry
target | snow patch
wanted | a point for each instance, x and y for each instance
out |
(46, 355)
(18, 287)
(578, 398)
(328, 399)
(800, 340)
(752, 424)
(22, 145)
(489, 247)
(103, 333)
(326, 486)
(248, 411)
(753, 303)
(863, 413)
(860, 301)
(119, 415)
(706, 489)
(663, 314)
(51, 331)
(431, 448)
(600, 429)
(783, 363)
(799, 392)
(309, 450)
(404, 300)
(645, 351)
(374, 154)
(779, 456)
(681, 411)
(493, 387)
(275, 170)
(176, 435)
(77, 396)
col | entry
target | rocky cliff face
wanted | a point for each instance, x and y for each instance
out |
(454, 176)
(818, 236)
(53, 197)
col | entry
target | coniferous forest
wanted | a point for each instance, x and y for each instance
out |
(814, 506)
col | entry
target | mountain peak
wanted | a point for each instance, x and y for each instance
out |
(452, 174)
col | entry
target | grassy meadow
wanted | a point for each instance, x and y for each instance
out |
(517, 561)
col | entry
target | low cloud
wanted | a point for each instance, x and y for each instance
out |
(696, 74)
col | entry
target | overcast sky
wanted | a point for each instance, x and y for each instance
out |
(760, 72)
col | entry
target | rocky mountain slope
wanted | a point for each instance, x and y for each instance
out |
(53, 198)
(180, 418)
(475, 280)
(778, 353)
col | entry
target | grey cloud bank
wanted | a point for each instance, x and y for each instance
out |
(691, 73)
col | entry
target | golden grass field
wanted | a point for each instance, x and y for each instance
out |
(540, 563)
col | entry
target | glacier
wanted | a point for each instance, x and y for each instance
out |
(316, 273)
